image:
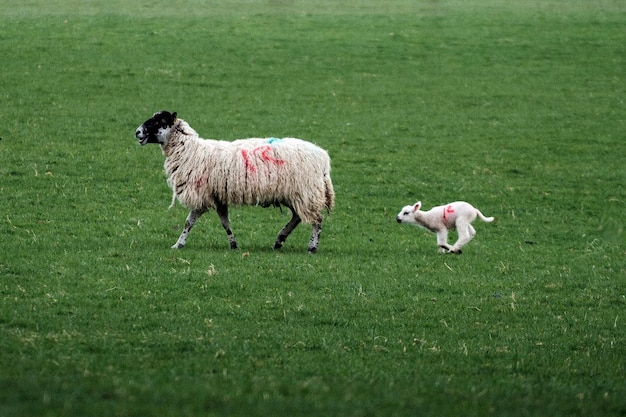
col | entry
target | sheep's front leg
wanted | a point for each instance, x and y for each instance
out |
(286, 231)
(222, 212)
(191, 220)
(442, 241)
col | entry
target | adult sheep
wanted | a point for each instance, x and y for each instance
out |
(205, 174)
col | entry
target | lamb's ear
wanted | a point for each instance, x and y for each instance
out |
(174, 115)
(417, 206)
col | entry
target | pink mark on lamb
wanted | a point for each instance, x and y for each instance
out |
(448, 210)
(264, 153)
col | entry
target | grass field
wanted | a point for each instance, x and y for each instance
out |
(516, 107)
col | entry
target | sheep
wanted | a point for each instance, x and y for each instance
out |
(458, 215)
(205, 174)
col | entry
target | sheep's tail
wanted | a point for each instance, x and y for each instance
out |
(330, 193)
(483, 218)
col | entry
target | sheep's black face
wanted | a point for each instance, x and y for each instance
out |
(154, 129)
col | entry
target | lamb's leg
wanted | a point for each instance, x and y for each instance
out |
(316, 231)
(191, 220)
(222, 212)
(442, 241)
(466, 233)
(286, 231)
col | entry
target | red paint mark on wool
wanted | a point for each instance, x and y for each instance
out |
(246, 159)
(200, 182)
(264, 153)
(447, 210)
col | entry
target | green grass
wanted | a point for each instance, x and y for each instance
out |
(516, 108)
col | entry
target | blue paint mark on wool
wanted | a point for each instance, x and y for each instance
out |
(272, 140)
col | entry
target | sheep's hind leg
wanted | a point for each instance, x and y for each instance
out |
(316, 231)
(191, 220)
(466, 233)
(286, 231)
(222, 212)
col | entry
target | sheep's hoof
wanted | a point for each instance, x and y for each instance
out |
(277, 246)
(177, 246)
(312, 250)
(456, 252)
(233, 245)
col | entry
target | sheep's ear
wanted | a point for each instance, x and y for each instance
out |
(417, 206)
(174, 115)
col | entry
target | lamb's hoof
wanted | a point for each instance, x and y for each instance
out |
(277, 246)
(312, 250)
(177, 246)
(456, 252)
(233, 245)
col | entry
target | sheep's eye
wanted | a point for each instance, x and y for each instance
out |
(405, 213)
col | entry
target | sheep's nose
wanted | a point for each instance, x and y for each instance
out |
(138, 132)
(398, 219)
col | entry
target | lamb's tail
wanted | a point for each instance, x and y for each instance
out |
(483, 218)
(330, 193)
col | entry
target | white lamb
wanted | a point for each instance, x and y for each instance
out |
(206, 174)
(440, 219)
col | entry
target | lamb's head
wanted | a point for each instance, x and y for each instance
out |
(407, 214)
(156, 128)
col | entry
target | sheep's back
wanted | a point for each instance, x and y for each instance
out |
(280, 171)
(288, 171)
